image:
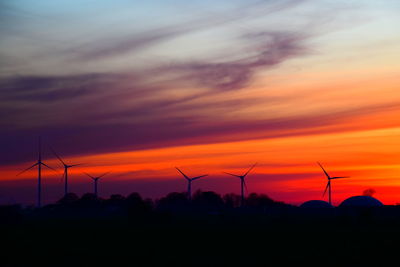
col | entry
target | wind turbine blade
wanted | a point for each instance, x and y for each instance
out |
(103, 174)
(89, 175)
(326, 189)
(27, 169)
(340, 177)
(75, 165)
(44, 164)
(250, 169)
(327, 175)
(184, 175)
(233, 174)
(198, 177)
(59, 158)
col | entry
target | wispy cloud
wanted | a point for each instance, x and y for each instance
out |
(105, 48)
(269, 50)
(95, 114)
(182, 102)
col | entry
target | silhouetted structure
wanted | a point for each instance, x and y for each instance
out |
(65, 174)
(361, 202)
(328, 185)
(95, 180)
(190, 180)
(39, 164)
(242, 182)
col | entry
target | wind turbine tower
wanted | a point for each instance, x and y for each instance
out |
(65, 174)
(328, 185)
(39, 164)
(95, 180)
(190, 180)
(242, 182)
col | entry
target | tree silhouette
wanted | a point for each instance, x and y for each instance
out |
(207, 201)
(259, 200)
(136, 205)
(174, 202)
(89, 198)
(68, 198)
(115, 199)
(232, 200)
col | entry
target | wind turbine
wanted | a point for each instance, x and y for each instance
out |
(242, 182)
(65, 174)
(190, 180)
(328, 185)
(39, 164)
(96, 179)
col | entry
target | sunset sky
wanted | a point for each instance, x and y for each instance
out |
(139, 87)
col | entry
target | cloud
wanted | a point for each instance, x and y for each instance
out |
(106, 48)
(138, 94)
(126, 45)
(124, 112)
(51, 88)
(369, 192)
(269, 50)
(183, 102)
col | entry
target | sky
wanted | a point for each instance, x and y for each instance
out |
(138, 88)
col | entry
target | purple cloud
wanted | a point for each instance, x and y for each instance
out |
(270, 49)
(101, 112)
(103, 122)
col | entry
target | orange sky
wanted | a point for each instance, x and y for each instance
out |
(364, 145)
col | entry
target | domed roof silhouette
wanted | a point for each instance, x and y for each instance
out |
(316, 204)
(361, 201)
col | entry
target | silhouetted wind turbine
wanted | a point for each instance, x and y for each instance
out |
(39, 164)
(242, 182)
(190, 180)
(328, 185)
(65, 174)
(96, 179)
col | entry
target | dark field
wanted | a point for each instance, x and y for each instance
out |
(202, 240)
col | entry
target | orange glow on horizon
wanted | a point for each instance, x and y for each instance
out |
(361, 140)
(369, 157)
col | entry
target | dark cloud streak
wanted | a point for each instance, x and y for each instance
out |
(157, 107)
(160, 123)
(272, 48)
